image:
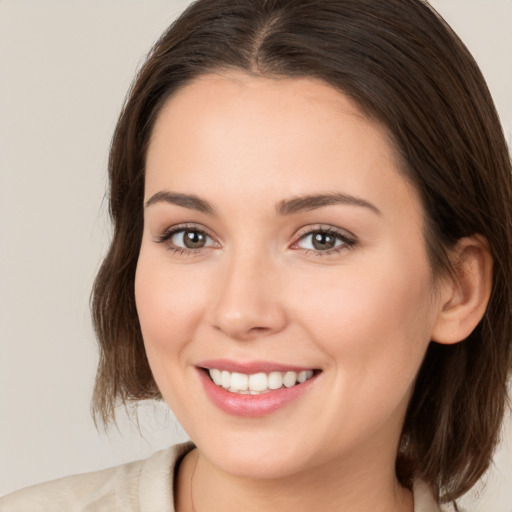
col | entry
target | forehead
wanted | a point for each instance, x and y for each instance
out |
(239, 133)
(245, 98)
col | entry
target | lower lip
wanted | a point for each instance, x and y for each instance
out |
(252, 406)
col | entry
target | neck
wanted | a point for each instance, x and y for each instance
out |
(203, 487)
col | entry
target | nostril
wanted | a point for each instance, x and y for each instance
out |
(259, 329)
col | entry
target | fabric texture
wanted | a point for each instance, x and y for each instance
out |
(141, 486)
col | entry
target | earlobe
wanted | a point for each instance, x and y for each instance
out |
(464, 295)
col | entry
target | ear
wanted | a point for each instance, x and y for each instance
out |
(464, 295)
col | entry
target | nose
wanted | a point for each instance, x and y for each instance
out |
(249, 300)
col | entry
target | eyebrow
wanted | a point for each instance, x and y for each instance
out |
(286, 207)
(186, 200)
(312, 202)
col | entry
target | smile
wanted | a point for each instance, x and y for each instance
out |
(257, 383)
(254, 389)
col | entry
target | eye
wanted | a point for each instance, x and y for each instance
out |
(324, 240)
(186, 239)
(190, 239)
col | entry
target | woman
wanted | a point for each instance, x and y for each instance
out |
(311, 264)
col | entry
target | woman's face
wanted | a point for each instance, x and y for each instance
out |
(281, 243)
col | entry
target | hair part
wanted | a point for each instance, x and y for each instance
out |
(404, 67)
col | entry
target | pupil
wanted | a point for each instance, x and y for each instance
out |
(323, 241)
(193, 239)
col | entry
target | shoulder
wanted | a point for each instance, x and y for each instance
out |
(140, 485)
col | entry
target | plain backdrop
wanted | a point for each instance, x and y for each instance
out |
(65, 66)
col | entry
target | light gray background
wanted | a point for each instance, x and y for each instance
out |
(65, 66)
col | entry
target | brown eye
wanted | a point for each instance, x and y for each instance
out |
(190, 239)
(194, 239)
(323, 241)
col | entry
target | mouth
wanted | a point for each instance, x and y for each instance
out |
(254, 389)
(258, 383)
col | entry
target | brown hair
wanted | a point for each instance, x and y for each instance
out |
(401, 63)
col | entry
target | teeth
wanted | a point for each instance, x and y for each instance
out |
(216, 376)
(289, 379)
(257, 383)
(304, 376)
(275, 380)
(225, 379)
(239, 382)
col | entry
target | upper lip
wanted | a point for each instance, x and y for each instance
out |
(250, 367)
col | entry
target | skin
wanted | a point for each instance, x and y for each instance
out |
(258, 290)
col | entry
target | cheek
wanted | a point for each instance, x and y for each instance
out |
(347, 304)
(373, 323)
(166, 298)
(169, 304)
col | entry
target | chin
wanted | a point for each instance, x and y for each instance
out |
(255, 463)
(258, 455)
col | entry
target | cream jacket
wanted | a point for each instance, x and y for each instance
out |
(141, 486)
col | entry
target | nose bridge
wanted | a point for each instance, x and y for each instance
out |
(248, 302)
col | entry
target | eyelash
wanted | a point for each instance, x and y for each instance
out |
(167, 235)
(347, 241)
